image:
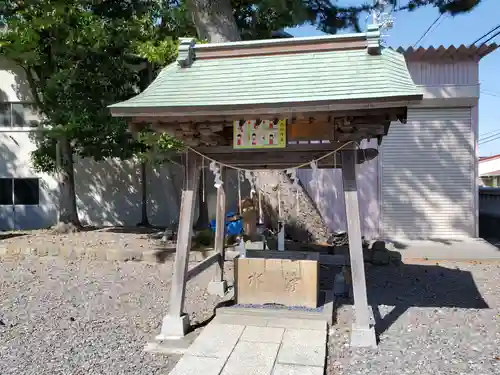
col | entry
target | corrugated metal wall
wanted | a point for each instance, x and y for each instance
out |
(452, 73)
(427, 175)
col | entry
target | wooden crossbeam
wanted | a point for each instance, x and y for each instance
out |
(259, 159)
(323, 147)
(200, 267)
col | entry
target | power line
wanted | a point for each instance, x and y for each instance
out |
(490, 93)
(428, 29)
(485, 134)
(488, 138)
(494, 35)
(485, 35)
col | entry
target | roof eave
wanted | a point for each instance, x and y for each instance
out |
(266, 108)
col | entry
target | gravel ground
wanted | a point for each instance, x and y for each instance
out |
(94, 238)
(434, 319)
(83, 317)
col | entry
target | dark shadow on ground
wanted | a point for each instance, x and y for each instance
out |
(134, 230)
(164, 254)
(400, 245)
(204, 323)
(409, 285)
(6, 236)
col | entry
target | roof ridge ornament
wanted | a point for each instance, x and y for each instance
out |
(186, 52)
(382, 17)
(373, 39)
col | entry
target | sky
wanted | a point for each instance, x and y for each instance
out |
(461, 29)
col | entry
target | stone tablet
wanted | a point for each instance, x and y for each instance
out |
(277, 281)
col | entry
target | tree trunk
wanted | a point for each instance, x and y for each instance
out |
(215, 22)
(68, 215)
(144, 196)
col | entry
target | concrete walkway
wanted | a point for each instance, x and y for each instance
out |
(252, 345)
(460, 250)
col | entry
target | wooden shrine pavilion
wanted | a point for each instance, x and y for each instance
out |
(324, 91)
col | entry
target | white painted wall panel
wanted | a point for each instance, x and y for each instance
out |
(328, 193)
(15, 148)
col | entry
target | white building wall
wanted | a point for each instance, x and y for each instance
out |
(15, 150)
(488, 166)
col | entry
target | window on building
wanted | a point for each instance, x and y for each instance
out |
(5, 114)
(24, 115)
(26, 191)
(18, 115)
(5, 191)
(19, 191)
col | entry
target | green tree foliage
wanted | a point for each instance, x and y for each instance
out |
(257, 19)
(78, 57)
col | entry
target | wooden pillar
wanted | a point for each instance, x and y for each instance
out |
(219, 286)
(363, 334)
(176, 323)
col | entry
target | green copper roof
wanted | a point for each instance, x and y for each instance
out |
(221, 79)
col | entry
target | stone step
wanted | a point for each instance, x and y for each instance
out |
(324, 314)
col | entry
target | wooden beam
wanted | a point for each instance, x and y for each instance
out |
(220, 227)
(184, 233)
(289, 148)
(271, 159)
(362, 333)
(200, 267)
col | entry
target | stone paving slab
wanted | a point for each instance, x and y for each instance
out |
(309, 336)
(216, 340)
(252, 358)
(303, 347)
(245, 320)
(302, 354)
(237, 349)
(190, 365)
(280, 369)
(317, 325)
(262, 334)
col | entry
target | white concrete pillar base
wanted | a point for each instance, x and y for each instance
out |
(363, 337)
(173, 327)
(217, 288)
